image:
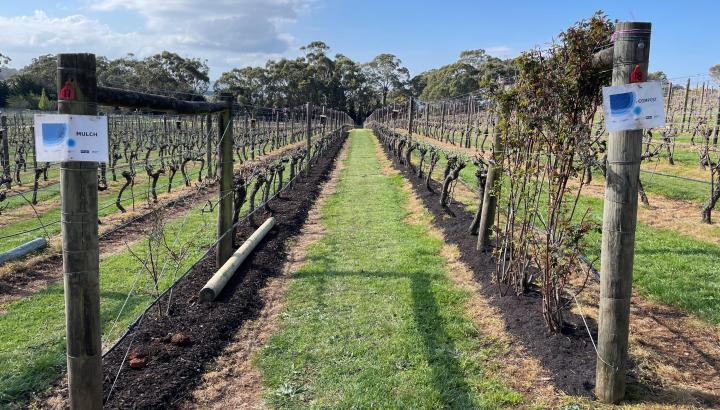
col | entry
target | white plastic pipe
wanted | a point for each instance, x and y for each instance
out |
(215, 285)
(23, 250)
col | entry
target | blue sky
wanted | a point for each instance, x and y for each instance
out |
(424, 34)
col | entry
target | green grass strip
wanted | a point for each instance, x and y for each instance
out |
(372, 320)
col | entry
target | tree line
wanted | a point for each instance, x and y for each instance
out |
(316, 76)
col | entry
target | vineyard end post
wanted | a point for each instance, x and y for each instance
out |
(80, 244)
(308, 119)
(716, 131)
(6, 150)
(209, 147)
(687, 94)
(411, 113)
(624, 149)
(225, 211)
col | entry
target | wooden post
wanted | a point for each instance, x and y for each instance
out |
(632, 47)
(427, 120)
(687, 93)
(276, 138)
(411, 112)
(308, 137)
(225, 211)
(467, 125)
(209, 150)
(490, 197)
(6, 150)
(253, 125)
(442, 121)
(716, 131)
(80, 249)
(667, 103)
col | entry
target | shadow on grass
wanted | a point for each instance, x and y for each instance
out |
(48, 359)
(569, 359)
(448, 376)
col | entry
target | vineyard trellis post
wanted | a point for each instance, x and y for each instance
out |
(624, 149)
(6, 150)
(209, 146)
(80, 244)
(225, 211)
(716, 131)
(490, 196)
(687, 94)
(411, 112)
(308, 138)
(442, 121)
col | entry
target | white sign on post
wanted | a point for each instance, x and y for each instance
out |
(63, 137)
(634, 106)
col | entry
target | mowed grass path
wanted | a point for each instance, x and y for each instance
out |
(372, 319)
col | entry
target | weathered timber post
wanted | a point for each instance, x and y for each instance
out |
(6, 151)
(490, 197)
(687, 93)
(442, 121)
(667, 103)
(253, 126)
(427, 120)
(716, 131)
(225, 210)
(209, 150)
(467, 125)
(276, 139)
(80, 249)
(411, 112)
(632, 47)
(308, 138)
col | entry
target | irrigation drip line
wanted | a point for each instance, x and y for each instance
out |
(676, 176)
(12, 235)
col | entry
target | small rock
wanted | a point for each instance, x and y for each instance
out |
(180, 339)
(138, 362)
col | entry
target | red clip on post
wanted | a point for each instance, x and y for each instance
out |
(67, 92)
(636, 76)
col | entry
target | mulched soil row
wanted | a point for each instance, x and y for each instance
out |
(177, 348)
(569, 358)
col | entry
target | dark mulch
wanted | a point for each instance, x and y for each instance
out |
(173, 370)
(569, 357)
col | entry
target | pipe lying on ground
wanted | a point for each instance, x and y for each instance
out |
(22, 250)
(215, 285)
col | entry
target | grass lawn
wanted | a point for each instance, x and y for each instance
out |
(372, 320)
(28, 229)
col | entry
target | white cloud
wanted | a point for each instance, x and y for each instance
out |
(500, 51)
(225, 32)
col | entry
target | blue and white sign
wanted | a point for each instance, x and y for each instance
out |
(634, 106)
(62, 137)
